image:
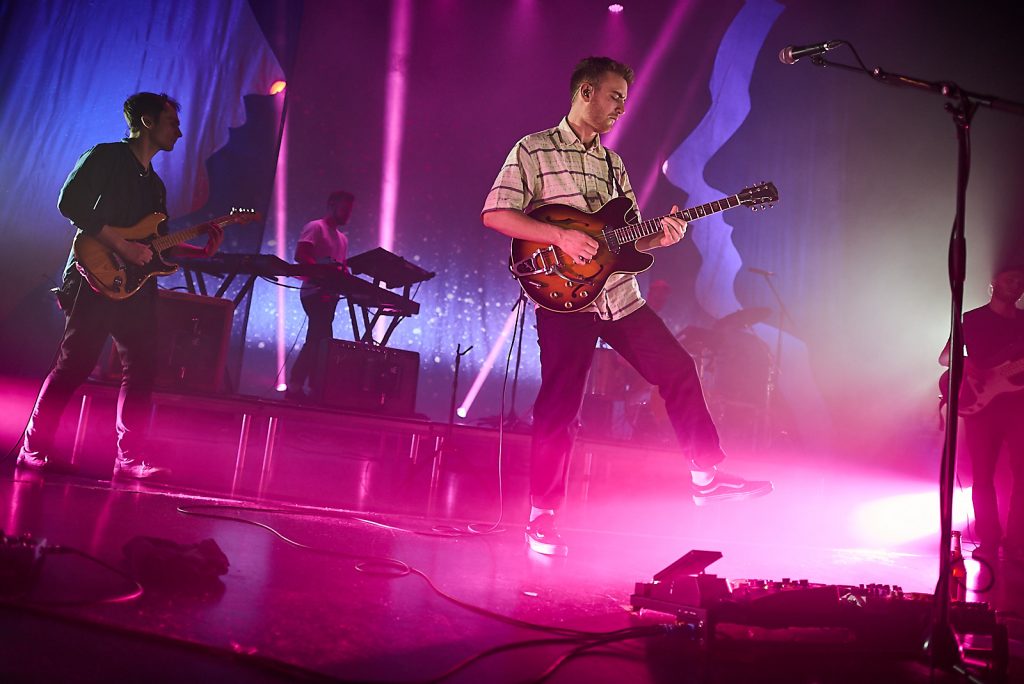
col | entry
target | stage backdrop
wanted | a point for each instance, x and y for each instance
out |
(412, 106)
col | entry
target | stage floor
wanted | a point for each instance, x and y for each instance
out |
(325, 594)
(359, 552)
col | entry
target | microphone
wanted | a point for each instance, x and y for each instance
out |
(761, 271)
(790, 55)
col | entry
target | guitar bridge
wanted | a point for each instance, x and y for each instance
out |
(541, 262)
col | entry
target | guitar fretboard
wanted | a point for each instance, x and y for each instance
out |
(167, 241)
(634, 231)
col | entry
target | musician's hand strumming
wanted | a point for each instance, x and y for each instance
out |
(578, 246)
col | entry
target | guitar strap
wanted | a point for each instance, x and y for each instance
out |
(633, 215)
(611, 173)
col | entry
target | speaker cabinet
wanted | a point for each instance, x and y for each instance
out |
(193, 333)
(194, 336)
(364, 377)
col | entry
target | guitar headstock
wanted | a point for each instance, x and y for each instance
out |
(242, 215)
(760, 196)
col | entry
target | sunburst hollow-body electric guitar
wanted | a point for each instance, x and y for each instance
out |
(554, 281)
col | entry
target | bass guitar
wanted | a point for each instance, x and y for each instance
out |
(108, 274)
(978, 389)
(554, 281)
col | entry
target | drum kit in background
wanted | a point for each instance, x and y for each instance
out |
(735, 367)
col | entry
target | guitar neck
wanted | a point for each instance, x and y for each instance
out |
(168, 241)
(634, 231)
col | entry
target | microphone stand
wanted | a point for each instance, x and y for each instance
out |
(459, 353)
(441, 440)
(512, 419)
(941, 646)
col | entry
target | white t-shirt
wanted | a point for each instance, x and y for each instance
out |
(329, 245)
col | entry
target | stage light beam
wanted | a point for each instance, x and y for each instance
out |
(394, 115)
(281, 245)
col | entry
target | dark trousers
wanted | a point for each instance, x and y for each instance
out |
(320, 312)
(986, 432)
(567, 342)
(133, 325)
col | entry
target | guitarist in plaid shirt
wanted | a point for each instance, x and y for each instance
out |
(568, 165)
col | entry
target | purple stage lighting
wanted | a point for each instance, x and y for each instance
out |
(398, 54)
(615, 8)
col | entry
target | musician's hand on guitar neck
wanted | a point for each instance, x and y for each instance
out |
(577, 245)
(672, 230)
(215, 237)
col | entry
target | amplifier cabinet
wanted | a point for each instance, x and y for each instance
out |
(365, 377)
(193, 332)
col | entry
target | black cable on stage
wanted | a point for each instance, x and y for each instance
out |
(46, 551)
(583, 648)
(521, 311)
(584, 643)
(435, 531)
(391, 568)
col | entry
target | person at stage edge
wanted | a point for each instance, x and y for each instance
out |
(321, 241)
(113, 185)
(568, 165)
(994, 337)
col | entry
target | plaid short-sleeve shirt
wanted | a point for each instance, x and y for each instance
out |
(554, 167)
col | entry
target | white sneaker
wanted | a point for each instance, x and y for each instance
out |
(543, 538)
(137, 469)
(32, 460)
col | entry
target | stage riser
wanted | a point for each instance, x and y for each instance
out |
(375, 463)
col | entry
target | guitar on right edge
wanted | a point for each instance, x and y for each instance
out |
(980, 387)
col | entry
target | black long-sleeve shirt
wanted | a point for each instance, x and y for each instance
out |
(108, 186)
(992, 339)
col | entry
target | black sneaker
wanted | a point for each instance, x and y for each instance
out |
(137, 469)
(726, 487)
(543, 538)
